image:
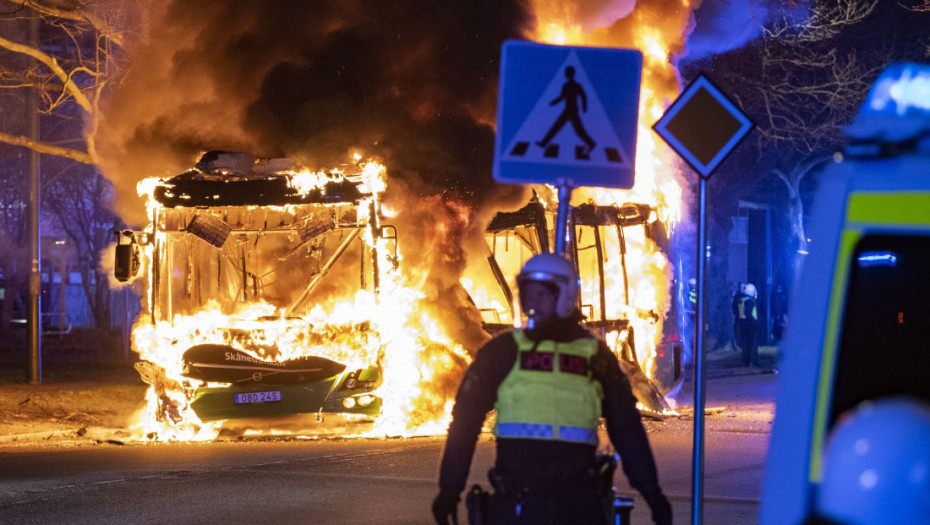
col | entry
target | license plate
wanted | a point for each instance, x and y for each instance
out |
(258, 397)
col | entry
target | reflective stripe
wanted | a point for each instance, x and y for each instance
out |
(742, 309)
(889, 208)
(528, 430)
(537, 431)
(578, 434)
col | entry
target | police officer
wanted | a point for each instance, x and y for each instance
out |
(550, 384)
(746, 318)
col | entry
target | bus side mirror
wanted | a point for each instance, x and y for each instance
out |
(127, 258)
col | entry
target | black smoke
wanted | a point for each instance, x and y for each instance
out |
(412, 82)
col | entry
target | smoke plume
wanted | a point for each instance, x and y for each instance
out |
(722, 25)
(411, 82)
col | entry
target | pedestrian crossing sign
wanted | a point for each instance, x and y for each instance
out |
(567, 114)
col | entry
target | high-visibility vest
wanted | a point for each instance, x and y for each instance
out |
(742, 309)
(550, 393)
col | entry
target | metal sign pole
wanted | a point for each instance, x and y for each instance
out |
(708, 109)
(561, 220)
(697, 465)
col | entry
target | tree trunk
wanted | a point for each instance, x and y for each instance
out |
(102, 312)
(792, 178)
(97, 292)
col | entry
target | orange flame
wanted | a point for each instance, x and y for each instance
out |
(403, 338)
(398, 336)
(658, 181)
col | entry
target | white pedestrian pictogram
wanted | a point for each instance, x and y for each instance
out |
(589, 141)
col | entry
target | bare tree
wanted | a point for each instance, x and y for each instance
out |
(814, 78)
(79, 198)
(14, 263)
(827, 20)
(802, 82)
(70, 68)
(792, 174)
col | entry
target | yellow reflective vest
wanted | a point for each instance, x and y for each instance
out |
(743, 314)
(550, 393)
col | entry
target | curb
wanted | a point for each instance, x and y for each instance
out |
(36, 436)
(90, 435)
(719, 373)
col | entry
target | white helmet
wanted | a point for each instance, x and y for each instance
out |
(877, 465)
(556, 270)
(749, 289)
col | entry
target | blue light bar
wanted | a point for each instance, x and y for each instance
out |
(867, 259)
(901, 88)
(897, 112)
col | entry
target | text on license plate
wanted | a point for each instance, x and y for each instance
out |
(258, 397)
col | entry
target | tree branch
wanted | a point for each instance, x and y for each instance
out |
(75, 15)
(48, 149)
(924, 7)
(782, 176)
(68, 84)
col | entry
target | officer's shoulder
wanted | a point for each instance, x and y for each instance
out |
(501, 342)
(604, 352)
(503, 338)
(604, 359)
(587, 334)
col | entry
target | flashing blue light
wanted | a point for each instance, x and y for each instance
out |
(867, 259)
(901, 88)
(896, 112)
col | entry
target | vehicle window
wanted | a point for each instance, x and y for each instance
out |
(885, 340)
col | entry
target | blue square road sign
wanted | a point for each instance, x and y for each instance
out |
(567, 114)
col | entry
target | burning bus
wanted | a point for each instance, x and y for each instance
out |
(603, 237)
(273, 292)
(238, 261)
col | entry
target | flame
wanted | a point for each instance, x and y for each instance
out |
(305, 181)
(389, 328)
(386, 328)
(657, 181)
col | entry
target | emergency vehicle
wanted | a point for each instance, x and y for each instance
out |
(860, 312)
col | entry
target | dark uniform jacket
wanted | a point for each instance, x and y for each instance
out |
(544, 461)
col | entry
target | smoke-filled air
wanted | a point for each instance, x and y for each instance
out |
(410, 86)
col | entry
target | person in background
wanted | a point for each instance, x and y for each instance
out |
(734, 305)
(550, 384)
(691, 305)
(747, 316)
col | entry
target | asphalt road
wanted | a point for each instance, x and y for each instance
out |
(348, 481)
